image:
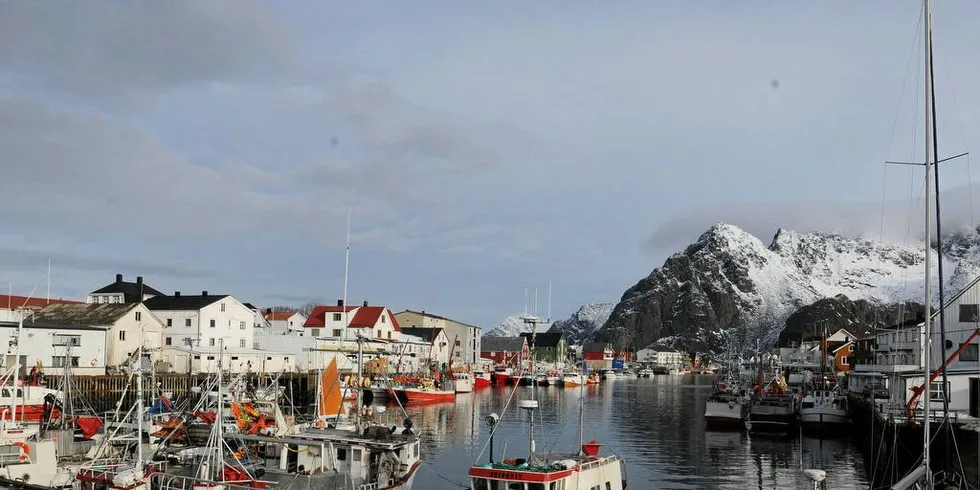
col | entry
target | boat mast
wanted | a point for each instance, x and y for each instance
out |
(346, 269)
(139, 404)
(939, 234)
(926, 346)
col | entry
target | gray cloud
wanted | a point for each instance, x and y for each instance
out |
(897, 221)
(141, 47)
(18, 259)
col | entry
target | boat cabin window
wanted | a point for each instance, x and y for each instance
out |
(356, 455)
(5, 392)
(341, 454)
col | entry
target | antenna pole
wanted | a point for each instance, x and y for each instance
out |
(549, 301)
(525, 301)
(927, 333)
(48, 298)
(346, 269)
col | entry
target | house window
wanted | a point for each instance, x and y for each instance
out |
(122, 335)
(187, 322)
(969, 314)
(212, 323)
(138, 316)
(197, 357)
(211, 342)
(970, 354)
(843, 360)
(336, 317)
(389, 335)
(850, 348)
(222, 307)
(316, 332)
(457, 343)
(936, 393)
(241, 343)
(241, 325)
(168, 341)
(379, 334)
(336, 332)
(383, 319)
(170, 322)
(210, 358)
(234, 358)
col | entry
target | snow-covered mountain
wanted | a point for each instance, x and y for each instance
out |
(514, 325)
(730, 282)
(583, 322)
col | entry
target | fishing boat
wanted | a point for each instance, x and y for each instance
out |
(502, 376)
(571, 380)
(644, 373)
(481, 379)
(424, 392)
(726, 408)
(462, 382)
(773, 409)
(582, 469)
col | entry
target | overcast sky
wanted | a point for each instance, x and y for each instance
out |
(481, 148)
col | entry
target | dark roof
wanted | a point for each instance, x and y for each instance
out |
(502, 344)
(182, 302)
(430, 315)
(250, 306)
(544, 339)
(102, 328)
(95, 314)
(595, 347)
(428, 334)
(132, 292)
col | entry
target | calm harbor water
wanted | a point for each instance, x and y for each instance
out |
(656, 424)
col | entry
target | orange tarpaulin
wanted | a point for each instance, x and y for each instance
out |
(331, 400)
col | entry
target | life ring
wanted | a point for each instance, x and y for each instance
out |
(318, 423)
(94, 362)
(25, 451)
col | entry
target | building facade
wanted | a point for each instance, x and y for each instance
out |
(286, 322)
(434, 343)
(548, 346)
(512, 351)
(662, 356)
(83, 348)
(201, 321)
(347, 322)
(465, 338)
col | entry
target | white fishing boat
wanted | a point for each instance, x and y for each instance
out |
(583, 469)
(727, 407)
(462, 382)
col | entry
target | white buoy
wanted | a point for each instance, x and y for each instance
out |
(816, 476)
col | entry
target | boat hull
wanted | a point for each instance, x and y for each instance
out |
(821, 422)
(424, 396)
(481, 381)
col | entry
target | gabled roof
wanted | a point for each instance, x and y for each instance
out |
(544, 339)
(183, 302)
(132, 292)
(93, 314)
(12, 301)
(279, 315)
(426, 334)
(318, 316)
(438, 317)
(845, 344)
(249, 306)
(502, 344)
(367, 317)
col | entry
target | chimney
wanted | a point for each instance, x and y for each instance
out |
(139, 280)
(204, 294)
(340, 302)
(176, 294)
(118, 277)
(268, 311)
(365, 303)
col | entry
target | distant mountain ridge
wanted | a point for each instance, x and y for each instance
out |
(729, 286)
(578, 327)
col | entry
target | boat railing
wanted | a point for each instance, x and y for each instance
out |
(168, 481)
(596, 462)
(368, 486)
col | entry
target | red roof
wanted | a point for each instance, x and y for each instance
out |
(364, 317)
(318, 317)
(279, 315)
(14, 301)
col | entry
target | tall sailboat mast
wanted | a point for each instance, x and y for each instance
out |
(927, 333)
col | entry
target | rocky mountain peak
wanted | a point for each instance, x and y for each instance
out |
(728, 283)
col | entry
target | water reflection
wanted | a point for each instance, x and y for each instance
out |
(656, 424)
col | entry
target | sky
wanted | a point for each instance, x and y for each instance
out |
(479, 148)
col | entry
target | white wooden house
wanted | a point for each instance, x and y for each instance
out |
(347, 322)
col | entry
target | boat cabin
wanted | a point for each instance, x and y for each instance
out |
(553, 471)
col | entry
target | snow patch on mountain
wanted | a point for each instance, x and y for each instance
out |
(514, 325)
(586, 320)
(729, 278)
